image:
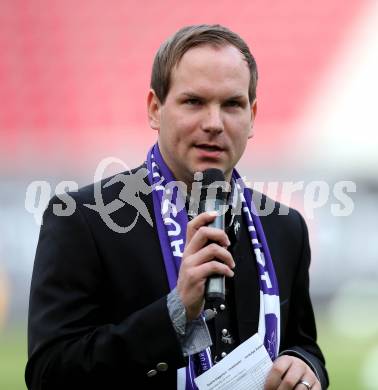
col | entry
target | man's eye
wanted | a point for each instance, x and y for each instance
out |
(193, 102)
(233, 103)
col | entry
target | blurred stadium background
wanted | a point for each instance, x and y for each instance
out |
(73, 82)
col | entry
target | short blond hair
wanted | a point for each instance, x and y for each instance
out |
(173, 49)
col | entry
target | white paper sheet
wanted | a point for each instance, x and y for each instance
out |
(245, 368)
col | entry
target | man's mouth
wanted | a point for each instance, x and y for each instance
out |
(209, 151)
(209, 147)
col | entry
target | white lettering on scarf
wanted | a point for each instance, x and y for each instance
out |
(260, 257)
(168, 208)
(261, 260)
(176, 231)
(176, 247)
(266, 279)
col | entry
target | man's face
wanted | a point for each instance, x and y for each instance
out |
(207, 117)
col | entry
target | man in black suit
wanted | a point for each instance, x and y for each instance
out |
(105, 311)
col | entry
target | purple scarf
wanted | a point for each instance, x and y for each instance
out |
(171, 219)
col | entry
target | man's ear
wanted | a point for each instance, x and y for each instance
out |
(253, 116)
(153, 109)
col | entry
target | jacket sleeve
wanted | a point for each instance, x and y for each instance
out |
(300, 337)
(69, 343)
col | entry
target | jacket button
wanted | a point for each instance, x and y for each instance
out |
(162, 366)
(151, 373)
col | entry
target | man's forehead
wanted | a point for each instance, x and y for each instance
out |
(209, 65)
(218, 52)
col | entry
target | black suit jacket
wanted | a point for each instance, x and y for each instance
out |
(98, 315)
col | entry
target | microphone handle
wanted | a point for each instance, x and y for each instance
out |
(215, 290)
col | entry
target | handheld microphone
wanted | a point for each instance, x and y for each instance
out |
(213, 198)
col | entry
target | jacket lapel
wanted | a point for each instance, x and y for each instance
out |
(247, 298)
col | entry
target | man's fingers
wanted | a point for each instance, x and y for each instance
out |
(277, 372)
(214, 267)
(309, 377)
(200, 220)
(203, 235)
(211, 252)
(316, 386)
(293, 375)
(287, 372)
(196, 277)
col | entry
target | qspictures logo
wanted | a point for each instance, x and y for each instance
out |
(314, 195)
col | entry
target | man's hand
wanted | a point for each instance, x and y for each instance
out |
(199, 261)
(287, 372)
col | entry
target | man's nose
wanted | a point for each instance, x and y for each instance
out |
(212, 120)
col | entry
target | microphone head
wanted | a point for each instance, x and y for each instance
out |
(210, 176)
